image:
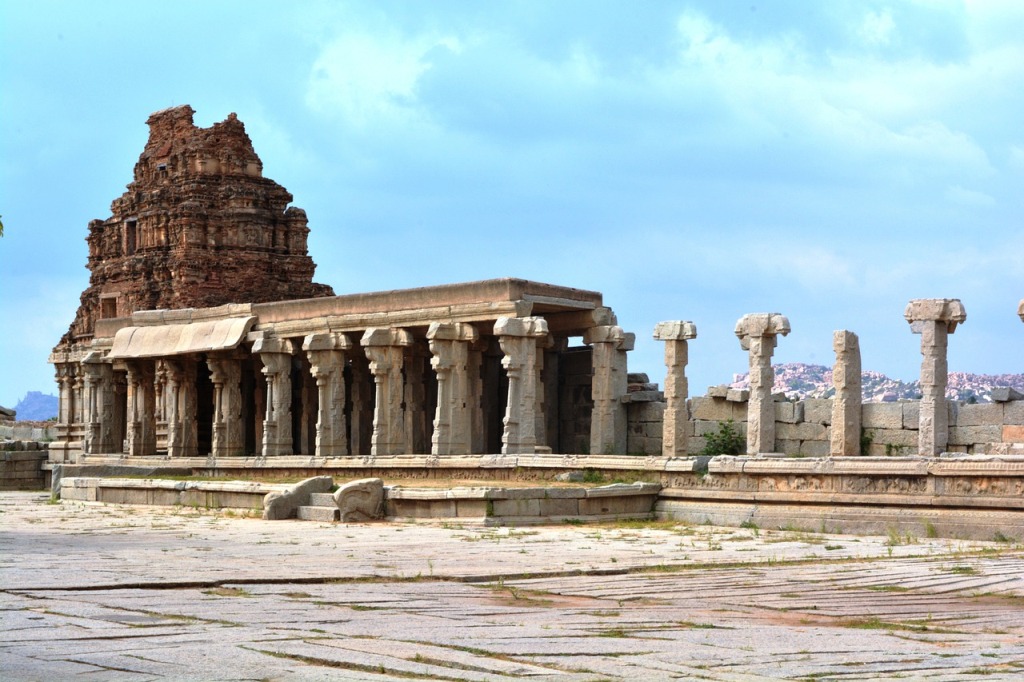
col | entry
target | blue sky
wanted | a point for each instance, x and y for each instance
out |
(690, 160)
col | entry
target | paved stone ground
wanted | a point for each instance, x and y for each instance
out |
(92, 592)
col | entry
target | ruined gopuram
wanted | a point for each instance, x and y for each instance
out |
(199, 226)
(203, 335)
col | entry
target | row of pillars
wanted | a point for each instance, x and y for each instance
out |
(166, 389)
(933, 319)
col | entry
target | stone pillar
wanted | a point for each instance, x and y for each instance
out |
(99, 405)
(608, 420)
(846, 404)
(141, 434)
(180, 403)
(385, 349)
(361, 393)
(453, 418)
(475, 392)
(758, 333)
(518, 339)
(226, 376)
(65, 378)
(934, 319)
(326, 353)
(415, 397)
(276, 356)
(676, 427)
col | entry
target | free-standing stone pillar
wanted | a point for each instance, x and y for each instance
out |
(846, 404)
(141, 435)
(99, 408)
(675, 428)
(758, 334)
(326, 353)
(934, 319)
(518, 339)
(276, 355)
(385, 349)
(453, 418)
(226, 376)
(180, 404)
(608, 424)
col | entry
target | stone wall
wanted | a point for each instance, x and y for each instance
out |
(21, 465)
(803, 428)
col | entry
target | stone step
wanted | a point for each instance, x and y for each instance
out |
(322, 500)
(310, 513)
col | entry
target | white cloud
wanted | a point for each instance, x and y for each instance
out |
(968, 197)
(370, 80)
(877, 27)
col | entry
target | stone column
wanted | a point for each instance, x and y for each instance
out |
(453, 418)
(846, 404)
(676, 427)
(276, 356)
(608, 420)
(361, 393)
(758, 333)
(99, 405)
(65, 378)
(934, 319)
(475, 392)
(517, 337)
(385, 349)
(141, 434)
(226, 376)
(326, 353)
(182, 433)
(415, 397)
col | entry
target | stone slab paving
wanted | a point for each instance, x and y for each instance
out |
(98, 592)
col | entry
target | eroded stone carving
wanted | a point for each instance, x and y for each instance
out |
(361, 500)
(934, 319)
(675, 428)
(284, 505)
(846, 404)
(758, 333)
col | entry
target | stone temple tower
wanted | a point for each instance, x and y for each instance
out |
(199, 226)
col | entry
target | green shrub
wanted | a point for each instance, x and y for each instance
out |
(727, 441)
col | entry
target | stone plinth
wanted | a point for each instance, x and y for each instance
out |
(675, 427)
(758, 333)
(846, 405)
(934, 319)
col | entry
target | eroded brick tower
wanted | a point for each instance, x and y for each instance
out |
(199, 226)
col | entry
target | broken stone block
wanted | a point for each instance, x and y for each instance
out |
(361, 500)
(277, 506)
(1004, 394)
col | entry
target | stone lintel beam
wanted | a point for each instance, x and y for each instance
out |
(675, 427)
(579, 321)
(758, 334)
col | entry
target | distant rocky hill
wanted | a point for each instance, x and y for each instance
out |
(799, 380)
(36, 407)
